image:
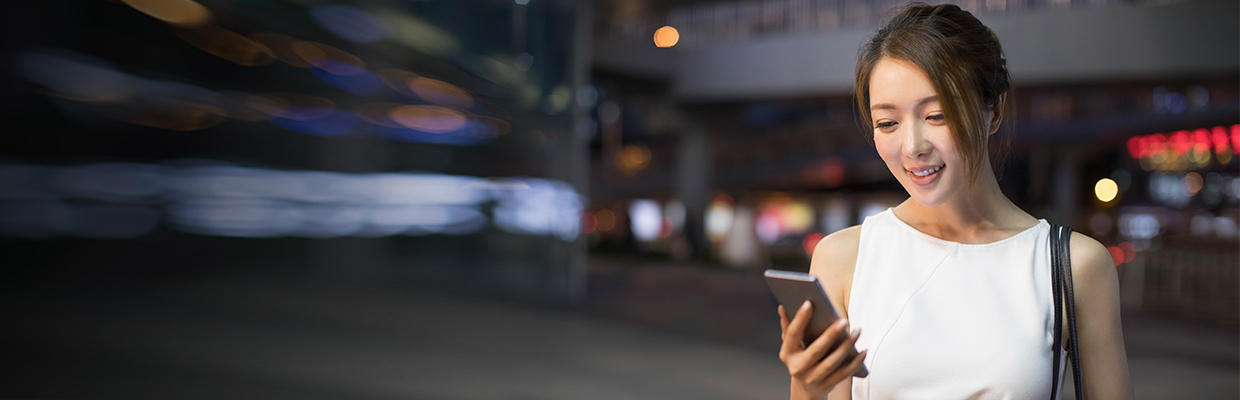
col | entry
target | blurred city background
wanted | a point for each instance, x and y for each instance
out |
(549, 199)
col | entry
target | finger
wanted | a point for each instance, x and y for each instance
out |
(846, 370)
(840, 375)
(828, 339)
(802, 317)
(783, 320)
(795, 334)
(832, 364)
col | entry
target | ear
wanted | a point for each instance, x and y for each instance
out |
(996, 114)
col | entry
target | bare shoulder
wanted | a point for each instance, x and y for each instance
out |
(834, 261)
(1091, 262)
(1101, 333)
(837, 251)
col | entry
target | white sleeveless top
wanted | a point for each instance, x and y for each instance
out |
(946, 320)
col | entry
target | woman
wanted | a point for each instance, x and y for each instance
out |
(951, 287)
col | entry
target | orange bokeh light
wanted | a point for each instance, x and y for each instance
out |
(666, 36)
(1193, 182)
(183, 13)
(398, 80)
(377, 113)
(281, 47)
(634, 158)
(317, 53)
(227, 44)
(606, 220)
(440, 92)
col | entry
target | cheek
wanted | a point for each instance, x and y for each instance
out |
(887, 145)
(944, 144)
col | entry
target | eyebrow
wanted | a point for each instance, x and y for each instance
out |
(886, 106)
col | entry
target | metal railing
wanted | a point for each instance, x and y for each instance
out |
(1191, 283)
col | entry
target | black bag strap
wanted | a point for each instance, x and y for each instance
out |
(1058, 303)
(1061, 285)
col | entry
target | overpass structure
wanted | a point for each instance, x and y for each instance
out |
(1050, 46)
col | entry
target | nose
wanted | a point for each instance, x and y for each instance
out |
(915, 143)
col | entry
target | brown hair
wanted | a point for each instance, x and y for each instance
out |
(966, 66)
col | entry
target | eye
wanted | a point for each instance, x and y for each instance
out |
(886, 126)
(937, 117)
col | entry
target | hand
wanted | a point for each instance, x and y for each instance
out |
(827, 361)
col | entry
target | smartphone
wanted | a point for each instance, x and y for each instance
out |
(792, 289)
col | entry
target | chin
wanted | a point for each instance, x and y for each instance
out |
(934, 194)
(928, 201)
(929, 198)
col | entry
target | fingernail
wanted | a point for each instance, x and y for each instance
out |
(844, 323)
(856, 333)
(805, 305)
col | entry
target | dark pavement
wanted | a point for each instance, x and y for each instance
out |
(645, 332)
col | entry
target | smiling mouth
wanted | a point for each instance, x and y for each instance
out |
(928, 171)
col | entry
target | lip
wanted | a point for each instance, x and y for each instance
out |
(928, 179)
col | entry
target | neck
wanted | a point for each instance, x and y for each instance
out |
(978, 214)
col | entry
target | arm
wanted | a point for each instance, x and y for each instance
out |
(833, 262)
(1096, 290)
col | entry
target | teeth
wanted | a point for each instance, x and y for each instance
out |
(928, 172)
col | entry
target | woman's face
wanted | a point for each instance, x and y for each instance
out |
(911, 135)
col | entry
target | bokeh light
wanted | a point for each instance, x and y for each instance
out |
(440, 93)
(718, 216)
(833, 172)
(318, 55)
(315, 121)
(417, 34)
(218, 199)
(675, 211)
(1129, 250)
(1117, 255)
(589, 222)
(768, 226)
(398, 80)
(666, 36)
(295, 106)
(184, 13)
(430, 119)
(1193, 182)
(633, 158)
(606, 220)
(666, 227)
(377, 113)
(645, 219)
(75, 76)
(347, 77)
(281, 47)
(227, 44)
(1106, 189)
(810, 242)
(351, 23)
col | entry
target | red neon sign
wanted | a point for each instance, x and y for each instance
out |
(1181, 142)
